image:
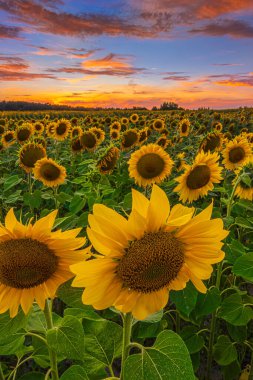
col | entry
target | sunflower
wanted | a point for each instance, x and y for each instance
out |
(130, 138)
(124, 120)
(40, 140)
(217, 127)
(184, 127)
(143, 135)
(76, 145)
(49, 172)
(99, 133)
(89, 141)
(180, 162)
(38, 127)
(134, 118)
(108, 162)
(34, 261)
(23, 133)
(212, 142)
(50, 129)
(2, 129)
(236, 153)
(163, 142)
(76, 132)
(244, 189)
(199, 178)
(158, 125)
(61, 129)
(114, 134)
(8, 138)
(156, 250)
(116, 126)
(29, 154)
(150, 164)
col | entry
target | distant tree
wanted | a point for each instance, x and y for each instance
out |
(154, 108)
(169, 106)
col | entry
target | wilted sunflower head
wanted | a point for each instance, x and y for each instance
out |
(23, 133)
(129, 139)
(236, 153)
(150, 164)
(38, 127)
(61, 129)
(8, 138)
(49, 172)
(134, 118)
(198, 179)
(76, 145)
(211, 143)
(89, 141)
(29, 154)
(184, 127)
(114, 134)
(109, 160)
(158, 124)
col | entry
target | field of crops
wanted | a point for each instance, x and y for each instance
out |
(126, 245)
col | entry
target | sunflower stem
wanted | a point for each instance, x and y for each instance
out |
(127, 327)
(1, 372)
(55, 190)
(52, 353)
(230, 202)
(29, 177)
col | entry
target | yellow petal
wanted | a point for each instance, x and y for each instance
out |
(180, 215)
(44, 225)
(140, 203)
(158, 210)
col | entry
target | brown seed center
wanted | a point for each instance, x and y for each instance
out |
(50, 172)
(150, 165)
(26, 263)
(151, 263)
(236, 155)
(198, 177)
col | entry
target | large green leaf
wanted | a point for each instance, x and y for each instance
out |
(185, 300)
(67, 338)
(12, 344)
(243, 267)
(224, 351)
(168, 359)
(75, 372)
(9, 325)
(234, 311)
(71, 296)
(208, 302)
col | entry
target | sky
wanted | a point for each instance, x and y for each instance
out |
(125, 53)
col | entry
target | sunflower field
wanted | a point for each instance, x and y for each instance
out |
(126, 245)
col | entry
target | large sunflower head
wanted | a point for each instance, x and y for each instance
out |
(211, 143)
(116, 126)
(76, 145)
(8, 138)
(23, 133)
(199, 178)
(29, 154)
(184, 127)
(49, 172)
(244, 189)
(89, 141)
(134, 118)
(61, 129)
(150, 164)
(145, 256)
(34, 261)
(129, 139)
(158, 124)
(109, 160)
(236, 153)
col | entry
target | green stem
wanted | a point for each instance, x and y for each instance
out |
(127, 327)
(55, 190)
(230, 202)
(1, 372)
(52, 353)
(29, 178)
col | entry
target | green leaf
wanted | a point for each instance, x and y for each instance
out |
(234, 311)
(9, 326)
(77, 203)
(243, 267)
(168, 359)
(242, 222)
(12, 181)
(11, 344)
(75, 372)
(71, 296)
(245, 204)
(237, 333)
(67, 338)
(185, 300)
(33, 376)
(34, 200)
(232, 371)
(193, 341)
(224, 351)
(208, 302)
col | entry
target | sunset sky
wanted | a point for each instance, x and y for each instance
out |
(127, 53)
